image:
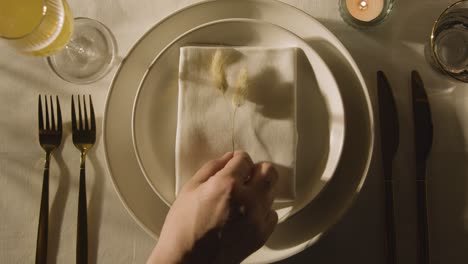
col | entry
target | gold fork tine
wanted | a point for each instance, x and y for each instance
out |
(52, 113)
(80, 120)
(47, 113)
(40, 118)
(73, 114)
(93, 119)
(86, 126)
(59, 115)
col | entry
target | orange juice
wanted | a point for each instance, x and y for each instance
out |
(36, 27)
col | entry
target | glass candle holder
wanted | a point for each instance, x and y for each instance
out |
(365, 13)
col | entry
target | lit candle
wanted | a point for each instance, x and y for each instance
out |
(365, 10)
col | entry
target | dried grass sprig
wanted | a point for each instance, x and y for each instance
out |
(239, 95)
(217, 71)
(238, 98)
(240, 92)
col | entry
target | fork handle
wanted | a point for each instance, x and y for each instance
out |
(82, 230)
(42, 231)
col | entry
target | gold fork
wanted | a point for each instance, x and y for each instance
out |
(50, 137)
(84, 137)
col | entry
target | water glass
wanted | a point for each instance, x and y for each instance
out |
(448, 48)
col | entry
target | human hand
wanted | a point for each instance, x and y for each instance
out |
(222, 214)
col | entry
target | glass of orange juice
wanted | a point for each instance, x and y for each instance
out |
(78, 50)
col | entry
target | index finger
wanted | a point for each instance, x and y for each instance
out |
(240, 167)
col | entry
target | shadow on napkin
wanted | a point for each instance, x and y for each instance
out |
(278, 94)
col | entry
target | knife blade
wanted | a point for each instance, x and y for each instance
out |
(389, 141)
(423, 133)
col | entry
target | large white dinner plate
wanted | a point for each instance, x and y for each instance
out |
(320, 114)
(304, 228)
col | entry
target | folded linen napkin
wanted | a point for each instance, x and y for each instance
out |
(237, 98)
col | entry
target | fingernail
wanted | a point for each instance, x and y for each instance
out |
(247, 178)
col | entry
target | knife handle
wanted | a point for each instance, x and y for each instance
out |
(390, 231)
(423, 229)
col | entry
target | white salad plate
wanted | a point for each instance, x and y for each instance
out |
(305, 227)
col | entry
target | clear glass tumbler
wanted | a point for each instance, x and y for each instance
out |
(448, 47)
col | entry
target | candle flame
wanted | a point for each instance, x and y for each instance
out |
(363, 5)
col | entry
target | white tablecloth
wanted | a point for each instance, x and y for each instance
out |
(395, 47)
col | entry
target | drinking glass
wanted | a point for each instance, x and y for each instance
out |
(448, 47)
(78, 50)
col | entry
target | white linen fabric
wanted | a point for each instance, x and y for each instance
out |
(264, 125)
